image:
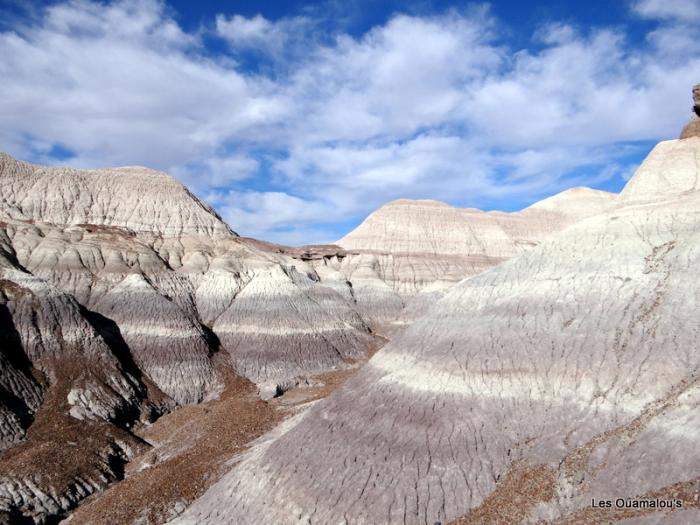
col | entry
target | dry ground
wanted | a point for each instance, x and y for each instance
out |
(191, 448)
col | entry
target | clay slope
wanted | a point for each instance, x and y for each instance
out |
(136, 247)
(407, 247)
(117, 290)
(67, 397)
(135, 198)
(566, 374)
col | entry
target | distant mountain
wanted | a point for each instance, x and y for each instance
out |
(411, 246)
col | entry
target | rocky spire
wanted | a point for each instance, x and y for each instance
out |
(693, 127)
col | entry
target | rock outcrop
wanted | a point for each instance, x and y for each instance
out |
(566, 375)
(693, 127)
(137, 248)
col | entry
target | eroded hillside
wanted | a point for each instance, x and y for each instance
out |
(565, 375)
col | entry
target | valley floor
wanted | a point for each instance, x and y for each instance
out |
(192, 447)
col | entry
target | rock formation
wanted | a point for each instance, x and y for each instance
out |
(117, 289)
(157, 247)
(407, 252)
(136, 199)
(693, 127)
(566, 375)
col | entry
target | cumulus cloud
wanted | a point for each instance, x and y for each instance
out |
(260, 34)
(275, 216)
(420, 106)
(216, 172)
(120, 84)
(246, 31)
(583, 90)
(683, 10)
(407, 75)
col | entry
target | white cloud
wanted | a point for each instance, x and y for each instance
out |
(121, 84)
(248, 31)
(357, 177)
(259, 213)
(216, 172)
(410, 74)
(681, 10)
(261, 34)
(421, 106)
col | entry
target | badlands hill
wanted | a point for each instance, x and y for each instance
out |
(408, 253)
(566, 375)
(123, 297)
(120, 295)
(411, 246)
(138, 199)
(432, 229)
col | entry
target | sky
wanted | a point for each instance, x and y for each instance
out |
(295, 120)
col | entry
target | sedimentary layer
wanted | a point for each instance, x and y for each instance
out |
(408, 248)
(568, 374)
(117, 289)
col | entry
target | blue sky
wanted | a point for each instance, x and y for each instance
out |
(296, 119)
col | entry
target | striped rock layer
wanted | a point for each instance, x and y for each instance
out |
(408, 252)
(118, 290)
(566, 375)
